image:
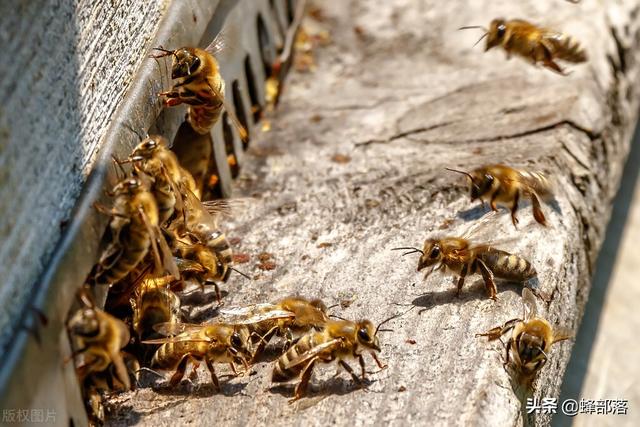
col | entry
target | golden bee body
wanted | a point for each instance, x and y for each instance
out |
(339, 340)
(154, 303)
(135, 212)
(530, 341)
(504, 185)
(214, 343)
(197, 83)
(290, 318)
(533, 43)
(100, 338)
(462, 257)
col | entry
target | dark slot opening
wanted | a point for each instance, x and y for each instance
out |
(265, 41)
(291, 7)
(240, 111)
(256, 108)
(232, 159)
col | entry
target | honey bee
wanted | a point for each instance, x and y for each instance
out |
(198, 84)
(135, 229)
(505, 185)
(339, 340)
(213, 343)
(154, 303)
(461, 256)
(153, 157)
(289, 318)
(528, 347)
(99, 339)
(536, 44)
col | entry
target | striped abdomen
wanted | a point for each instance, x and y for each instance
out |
(280, 373)
(564, 47)
(507, 266)
(203, 116)
(134, 243)
(169, 355)
(218, 243)
(156, 305)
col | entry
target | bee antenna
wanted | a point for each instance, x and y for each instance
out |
(470, 27)
(480, 39)
(165, 52)
(391, 318)
(333, 306)
(149, 370)
(240, 273)
(338, 317)
(411, 250)
(462, 172)
(128, 126)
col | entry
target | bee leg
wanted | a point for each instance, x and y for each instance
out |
(362, 371)
(489, 283)
(288, 339)
(349, 369)
(537, 210)
(233, 368)
(492, 202)
(180, 370)
(508, 348)
(548, 61)
(514, 208)
(492, 334)
(380, 364)
(463, 274)
(305, 376)
(262, 343)
(214, 377)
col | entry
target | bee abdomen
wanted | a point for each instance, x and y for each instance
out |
(280, 372)
(508, 266)
(568, 49)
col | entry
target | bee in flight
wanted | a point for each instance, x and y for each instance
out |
(529, 345)
(462, 257)
(289, 318)
(135, 230)
(507, 186)
(339, 340)
(198, 83)
(213, 343)
(533, 43)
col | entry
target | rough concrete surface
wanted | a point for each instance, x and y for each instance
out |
(403, 94)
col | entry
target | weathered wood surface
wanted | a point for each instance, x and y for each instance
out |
(414, 87)
(66, 66)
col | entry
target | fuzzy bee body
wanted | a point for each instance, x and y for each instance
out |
(154, 303)
(214, 343)
(463, 258)
(340, 340)
(533, 43)
(530, 340)
(504, 185)
(135, 212)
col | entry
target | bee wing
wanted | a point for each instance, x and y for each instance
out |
(218, 44)
(183, 338)
(226, 207)
(230, 113)
(179, 206)
(315, 351)
(154, 245)
(187, 265)
(474, 229)
(560, 333)
(247, 310)
(259, 317)
(529, 304)
(175, 328)
(197, 213)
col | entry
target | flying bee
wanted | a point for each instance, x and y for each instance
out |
(339, 340)
(153, 157)
(536, 44)
(135, 229)
(154, 303)
(198, 83)
(460, 256)
(528, 347)
(213, 343)
(99, 339)
(289, 318)
(505, 185)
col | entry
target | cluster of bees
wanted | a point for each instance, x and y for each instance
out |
(165, 243)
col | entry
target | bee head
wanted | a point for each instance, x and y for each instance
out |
(481, 184)
(530, 347)
(84, 323)
(126, 186)
(238, 344)
(146, 148)
(495, 35)
(185, 63)
(366, 335)
(431, 254)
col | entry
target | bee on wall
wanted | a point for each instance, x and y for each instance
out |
(501, 184)
(198, 84)
(339, 340)
(461, 256)
(529, 344)
(154, 303)
(134, 231)
(289, 318)
(213, 343)
(533, 43)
